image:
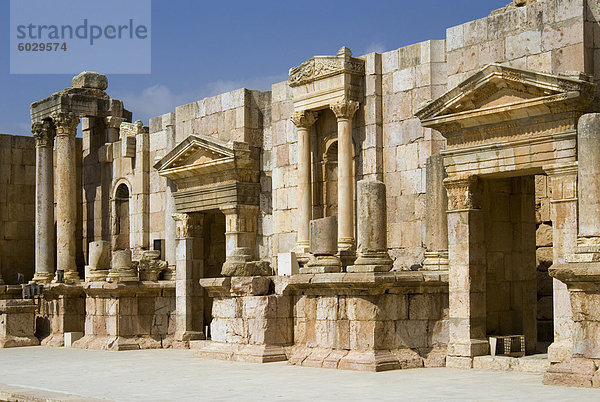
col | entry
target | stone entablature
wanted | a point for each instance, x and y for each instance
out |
(325, 80)
(478, 109)
(211, 173)
(506, 119)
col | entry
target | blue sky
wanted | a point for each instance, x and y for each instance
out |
(202, 48)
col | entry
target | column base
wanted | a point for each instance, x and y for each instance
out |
(97, 275)
(42, 278)
(367, 360)
(436, 261)
(319, 264)
(69, 277)
(371, 262)
(302, 254)
(122, 275)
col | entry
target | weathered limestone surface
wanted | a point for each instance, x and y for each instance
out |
(249, 323)
(369, 321)
(323, 246)
(17, 323)
(372, 228)
(128, 316)
(60, 309)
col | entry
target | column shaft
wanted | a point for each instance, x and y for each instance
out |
(66, 200)
(588, 153)
(344, 112)
(303, 121)
(44, 202)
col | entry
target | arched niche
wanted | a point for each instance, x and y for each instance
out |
(121, 227)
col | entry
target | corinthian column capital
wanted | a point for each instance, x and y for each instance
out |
(65, 123)
(344, 109)
(43, 132)
(304, 118)
(463, 192)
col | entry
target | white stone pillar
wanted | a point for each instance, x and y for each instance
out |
(43, 133)
(563, 210)
(189, 302)
(588, 155)
(170, 208)
(66, 199)
(466, 277)
(344, 111)
(303, 120)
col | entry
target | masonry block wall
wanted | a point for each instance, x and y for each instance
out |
(17, 206)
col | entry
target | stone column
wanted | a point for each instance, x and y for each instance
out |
(371, 219)
(467, 284)
(588, 155)
(66, 200)
(344, 111)
(436, 218)
(240, 241)
(303, 120)
(43, 133)
(563, 211)
(170, 208)
(189, 303)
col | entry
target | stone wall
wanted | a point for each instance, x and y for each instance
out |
(545, 36)
(17, 206)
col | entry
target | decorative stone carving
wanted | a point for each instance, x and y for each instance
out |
(304, 118)
(65, 123)
(345, 109)
(43, 132)
(320, 67)
(150, 267)
(463, 193)
(187, 226)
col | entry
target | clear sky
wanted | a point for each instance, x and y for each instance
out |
(205, 47)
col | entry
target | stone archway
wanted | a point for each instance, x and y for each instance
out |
(501, 123)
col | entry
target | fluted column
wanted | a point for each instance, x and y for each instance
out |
(43, 132)
(303, 120)
(66, 201)
(344, 111)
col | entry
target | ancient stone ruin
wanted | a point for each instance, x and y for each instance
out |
(441, 202)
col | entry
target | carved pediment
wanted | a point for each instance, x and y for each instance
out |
(210, 173)
(319, 67)
(200, 154)
(500, 94)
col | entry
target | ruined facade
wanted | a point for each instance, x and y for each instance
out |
(385, 211)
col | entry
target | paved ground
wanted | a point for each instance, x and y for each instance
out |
(72, 374)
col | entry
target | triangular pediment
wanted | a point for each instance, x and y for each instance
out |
(196, 150)
(503, 92)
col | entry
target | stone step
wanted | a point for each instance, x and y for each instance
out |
(531, 364)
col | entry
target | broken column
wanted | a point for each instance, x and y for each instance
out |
(241, 225)
(122, 268)
(98, 261)
(436, 219)
(323, 247)
(372, 233)
(66, 201)
(43, 132)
